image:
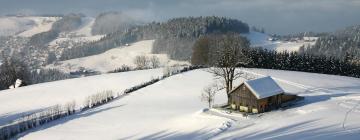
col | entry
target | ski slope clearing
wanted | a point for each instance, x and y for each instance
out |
(25, 100)
(258, 39)
(114, 58)
(171, 109)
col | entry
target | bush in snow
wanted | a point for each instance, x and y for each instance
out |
(141, 62)
(123, 68)
(36, 119)
(154, 62)
(98, 99)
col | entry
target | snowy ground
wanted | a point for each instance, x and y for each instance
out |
(114, 58)
(329, 110)
(24, 100)
(163, 109)
(171, 109)
(261, 40)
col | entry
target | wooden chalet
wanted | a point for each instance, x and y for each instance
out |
(259, 95)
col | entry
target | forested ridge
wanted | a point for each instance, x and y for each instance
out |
(206, 51)
(338, 44)
(174, 37)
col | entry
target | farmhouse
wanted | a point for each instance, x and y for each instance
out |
(259, 95)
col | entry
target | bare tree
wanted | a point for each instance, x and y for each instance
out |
(155, 62)
(227, 56)
(141, 62)
(208, 94)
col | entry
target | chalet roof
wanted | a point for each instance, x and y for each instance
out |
(264, 87)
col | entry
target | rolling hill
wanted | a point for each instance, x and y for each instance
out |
(329, 111)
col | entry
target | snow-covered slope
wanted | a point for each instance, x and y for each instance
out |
(42, 24)
(13, 25)
(171, 109)
(19, 101)
(114, 58)
(25, 26)
(164, 108)
(85, 29)
(330, 110)
(258, 39)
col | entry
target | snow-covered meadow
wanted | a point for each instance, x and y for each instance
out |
(115, 58)
(25, 100)
(171, 109)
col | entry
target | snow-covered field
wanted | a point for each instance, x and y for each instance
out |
(331, 110)
(258, 39)
(24, 100)
(171, 109)
(114, 58)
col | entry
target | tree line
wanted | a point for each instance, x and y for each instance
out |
(12, 70)
(174, 37)
(338, 44)
(294, 61)
(207, 50)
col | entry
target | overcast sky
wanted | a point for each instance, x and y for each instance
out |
(276, 16)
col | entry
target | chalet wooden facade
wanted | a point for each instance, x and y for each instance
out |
(259, 95)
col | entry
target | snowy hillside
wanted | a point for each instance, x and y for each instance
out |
(25, 26)
(75, 38)
(114, 58)
(258, 39)
(13, 25)
(330, 110)
(42, 24)
(171, 109)
(24, 100)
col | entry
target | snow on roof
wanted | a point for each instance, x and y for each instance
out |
(264, 87)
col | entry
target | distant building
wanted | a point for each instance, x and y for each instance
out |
(259, 95)
(310, 39)
(272, 39)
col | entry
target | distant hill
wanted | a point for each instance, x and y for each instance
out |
(340, 44)
(174, 37)
(109, 22)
